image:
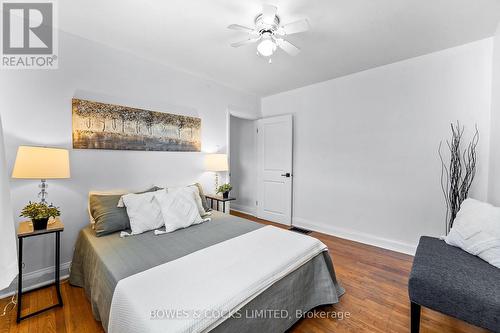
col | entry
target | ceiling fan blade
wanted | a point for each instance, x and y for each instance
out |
(287, 46)
(268, 13)
(240, 28)
(295, 27)
(245, 42)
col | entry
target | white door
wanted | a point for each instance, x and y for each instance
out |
(275, 144)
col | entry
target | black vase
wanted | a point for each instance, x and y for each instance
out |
(225, 195)
(40, 224)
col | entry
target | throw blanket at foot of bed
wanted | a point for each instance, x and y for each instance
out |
(199, 291)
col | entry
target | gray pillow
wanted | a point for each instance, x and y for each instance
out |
(204, 202)
(107, 216)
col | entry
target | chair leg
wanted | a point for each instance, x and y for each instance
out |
(415, 317)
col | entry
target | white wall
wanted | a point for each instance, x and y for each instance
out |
(36, 109)
(494, 171)
(365, 156)
(243, 164)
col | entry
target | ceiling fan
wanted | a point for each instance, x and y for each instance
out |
(269, 32)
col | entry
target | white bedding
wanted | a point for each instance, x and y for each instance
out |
(193, 291)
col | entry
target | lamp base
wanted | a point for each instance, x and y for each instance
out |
(43, 194)
(216, 182)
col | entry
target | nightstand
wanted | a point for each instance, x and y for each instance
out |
(217, 199)
(25, 230)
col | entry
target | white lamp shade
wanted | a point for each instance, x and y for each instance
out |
(216, 162)
(41, 163)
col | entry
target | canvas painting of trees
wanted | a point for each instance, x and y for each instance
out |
(107, 126)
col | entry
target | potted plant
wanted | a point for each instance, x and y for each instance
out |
(224, 189)
(39, 213)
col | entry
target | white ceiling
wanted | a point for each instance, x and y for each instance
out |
(346, 36)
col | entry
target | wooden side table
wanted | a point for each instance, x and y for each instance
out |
(25, 230)
(217, 199)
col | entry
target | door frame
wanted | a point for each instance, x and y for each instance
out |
(259, 168)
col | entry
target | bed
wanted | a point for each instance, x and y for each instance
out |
(99, 263)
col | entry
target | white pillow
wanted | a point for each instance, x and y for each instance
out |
(178, 209)
(476, 229)
(149, 189)
(194, 192)
(143, 212)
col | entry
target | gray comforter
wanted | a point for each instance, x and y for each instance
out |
(100, 262)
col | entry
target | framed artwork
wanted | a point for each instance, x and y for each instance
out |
(108, 126)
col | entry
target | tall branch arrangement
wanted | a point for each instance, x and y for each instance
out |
(458, 175)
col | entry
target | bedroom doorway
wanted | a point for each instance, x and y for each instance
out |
(274, 173)
(243, 162)
(260, 166)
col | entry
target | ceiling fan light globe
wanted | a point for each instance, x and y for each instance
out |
(266, 48)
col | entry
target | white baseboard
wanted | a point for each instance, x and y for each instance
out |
(243, 209)
(36, 279)
(356, 236)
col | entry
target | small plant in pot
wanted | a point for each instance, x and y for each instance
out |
(39, 213)
(224, 189)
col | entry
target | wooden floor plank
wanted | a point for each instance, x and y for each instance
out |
(376, 298)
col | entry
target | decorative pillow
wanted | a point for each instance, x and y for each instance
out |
(143, 211)
(106, 215)
(193, 192)
(476, 229)
(108, 218)
(178, 208)
(91, 193)
(152, 189)
(203, 198)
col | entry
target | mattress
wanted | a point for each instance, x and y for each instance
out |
(100, 262)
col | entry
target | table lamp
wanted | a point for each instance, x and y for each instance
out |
(41, 163)
(216, 163)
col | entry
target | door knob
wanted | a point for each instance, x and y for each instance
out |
(287, 175)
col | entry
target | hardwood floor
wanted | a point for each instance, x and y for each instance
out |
(376, 298)
(74, 316)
